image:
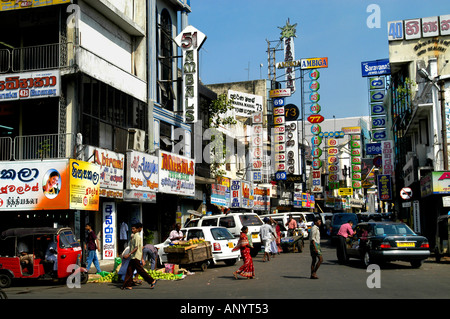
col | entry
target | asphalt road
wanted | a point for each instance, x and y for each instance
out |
(283, 279)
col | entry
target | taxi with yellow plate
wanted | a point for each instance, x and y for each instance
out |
(377, 242)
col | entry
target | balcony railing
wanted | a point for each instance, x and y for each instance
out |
(39, 57)
(34, 147)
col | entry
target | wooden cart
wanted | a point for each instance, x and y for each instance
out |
(292, 243)
(198, 255)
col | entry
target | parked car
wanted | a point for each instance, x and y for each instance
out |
(221, 239)
(339, 219)
(376, 242)
(234, 222)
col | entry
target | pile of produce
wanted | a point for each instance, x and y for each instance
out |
(187, 243)
(155, 274)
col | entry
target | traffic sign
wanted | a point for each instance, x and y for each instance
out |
(406, 193)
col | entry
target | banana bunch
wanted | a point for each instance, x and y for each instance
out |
(160, 275)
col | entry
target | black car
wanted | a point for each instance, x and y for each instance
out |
(376, 242)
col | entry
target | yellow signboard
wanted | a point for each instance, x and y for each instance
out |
(6, 5)
(84, 185)
(346, 191)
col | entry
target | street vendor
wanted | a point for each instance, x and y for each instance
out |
(292, 225)
(176, 234)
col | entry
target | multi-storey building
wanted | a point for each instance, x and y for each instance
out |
(89, 98)
(418, 102)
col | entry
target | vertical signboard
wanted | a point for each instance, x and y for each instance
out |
(387, 157)
(279, 127)
(109, 230)
(190, 41)
(356, 156)
(315, 119)
(257, 147)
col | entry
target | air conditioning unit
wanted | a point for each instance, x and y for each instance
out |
(136, 140)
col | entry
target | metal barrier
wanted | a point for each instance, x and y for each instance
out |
(39, 57)
(6, 148)
(5, 60)
(34, 147)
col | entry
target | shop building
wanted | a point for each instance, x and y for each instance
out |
(418, 99)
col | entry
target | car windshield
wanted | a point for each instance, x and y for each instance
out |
(250, 220)
(221, 234)
(392, 229)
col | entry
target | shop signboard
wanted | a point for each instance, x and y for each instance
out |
(84, 180)
(245, 104)
(440, 182)
(131, 195)
(110, 230)
(218, 195)
(142, 172)
(112, 170)
(34, 185)
(6, 5)
(261, 198)
(384, 187)
(32, 85)
(176, 174)
(375, 68)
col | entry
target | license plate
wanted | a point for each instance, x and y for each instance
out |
(254, 235)
(406, 244)
(230, 245)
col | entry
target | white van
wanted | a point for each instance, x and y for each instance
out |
(283, 218)
(234, 222)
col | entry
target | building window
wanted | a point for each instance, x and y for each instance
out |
(166, 94)
(108, 113)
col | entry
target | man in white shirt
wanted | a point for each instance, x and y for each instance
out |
(266, 232)
(316, 252)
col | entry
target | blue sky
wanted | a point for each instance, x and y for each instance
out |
(237, 31)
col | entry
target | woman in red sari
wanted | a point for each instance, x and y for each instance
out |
(247, 270)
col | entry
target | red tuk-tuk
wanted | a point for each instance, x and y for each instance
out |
(39, 253)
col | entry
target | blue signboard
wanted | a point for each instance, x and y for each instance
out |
(373, 148)
(375, 68)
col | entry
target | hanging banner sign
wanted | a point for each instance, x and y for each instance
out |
(190, 41)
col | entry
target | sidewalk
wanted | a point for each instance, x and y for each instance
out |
(105, 265)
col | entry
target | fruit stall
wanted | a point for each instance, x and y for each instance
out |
(190, 254)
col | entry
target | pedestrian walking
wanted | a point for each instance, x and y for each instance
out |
(344, 232)
(316, 251)
(91, 246)
(273, 243)
(247, 269)
(135, 262)
(266, 233)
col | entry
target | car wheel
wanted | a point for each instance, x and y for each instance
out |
(230, 262)
(367, 259)
(5, 281)
(416, 263)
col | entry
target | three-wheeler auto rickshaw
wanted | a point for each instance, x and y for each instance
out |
(442, 233)
(40, 253)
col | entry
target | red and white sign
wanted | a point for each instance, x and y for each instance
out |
(24, 86)
(406, 193)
